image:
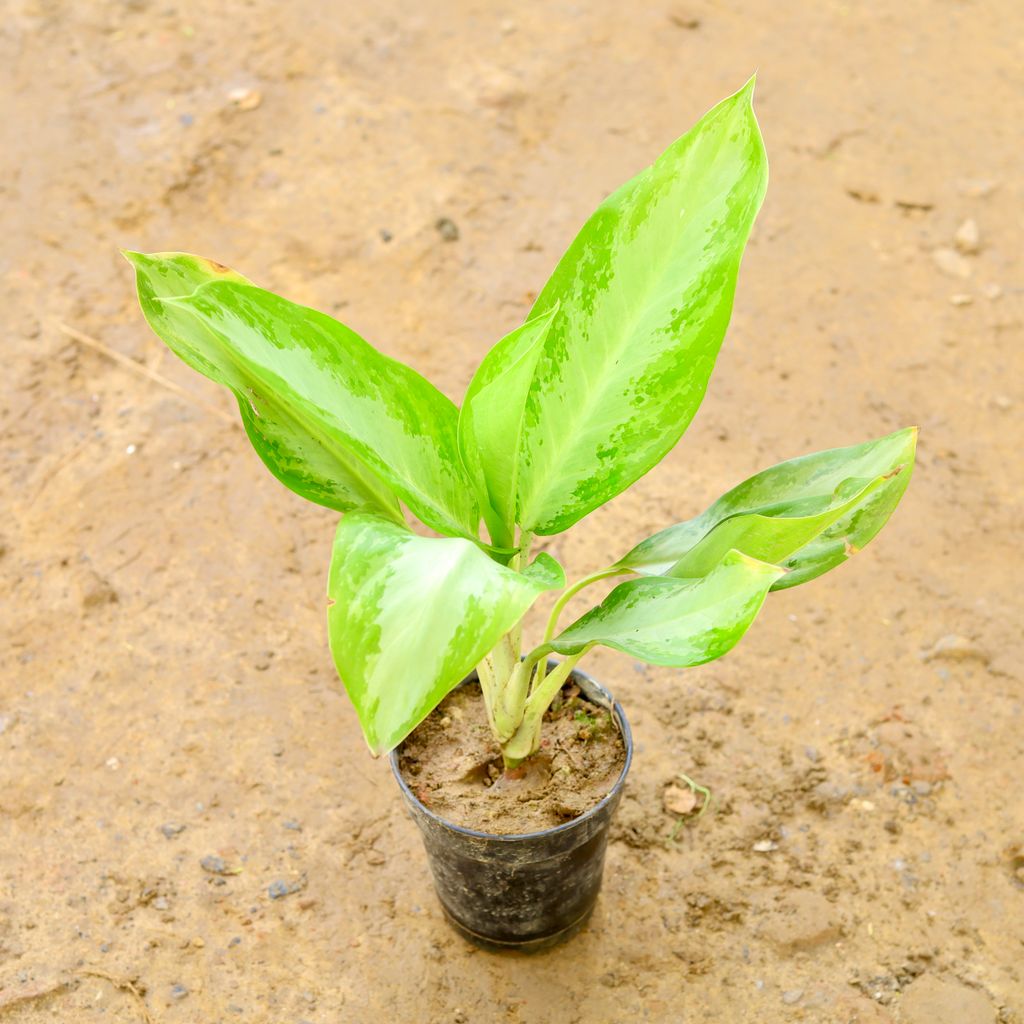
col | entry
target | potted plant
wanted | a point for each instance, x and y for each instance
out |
(563, 413)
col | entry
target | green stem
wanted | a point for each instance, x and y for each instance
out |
(505, 690)
(501, 535)
(526, 740)
(570, 592)
(563, 600)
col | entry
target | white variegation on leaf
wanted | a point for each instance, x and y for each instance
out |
(332, 418)
(807, 514)
(412, 615)
(644, 295)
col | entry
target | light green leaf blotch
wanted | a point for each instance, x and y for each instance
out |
(411, 616)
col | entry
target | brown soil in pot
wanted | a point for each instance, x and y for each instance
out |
(453, 765)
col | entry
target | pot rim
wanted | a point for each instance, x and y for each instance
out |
(521, 837)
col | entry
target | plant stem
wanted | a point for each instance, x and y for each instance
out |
(570, 592)
(526, 739)
(501, 536)
(563, 600)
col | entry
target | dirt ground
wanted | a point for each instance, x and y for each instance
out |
(191, 829)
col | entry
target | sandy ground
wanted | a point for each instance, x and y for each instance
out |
(167, 696)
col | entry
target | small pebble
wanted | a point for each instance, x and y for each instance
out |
(293, 826)
(961, 299)
(954, 647)
(1003, 402)
(217, 866)
(764, 846)
(245, 99)
(178, 991)
(448, 229)
(950, 262)
(992, 291)
(794, 995)
(968, 238)
(977, 188)
(170, 830)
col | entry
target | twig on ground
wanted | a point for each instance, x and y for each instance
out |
(144, 371)
(123, 985)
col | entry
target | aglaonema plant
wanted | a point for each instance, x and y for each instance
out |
(564, 413)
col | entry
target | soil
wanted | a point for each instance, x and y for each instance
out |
(453, 764)
(189, 820)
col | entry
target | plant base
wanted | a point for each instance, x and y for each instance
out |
(521, 892)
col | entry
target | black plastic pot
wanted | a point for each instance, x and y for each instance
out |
(522, 892)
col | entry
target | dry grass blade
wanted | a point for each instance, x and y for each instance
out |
(142, 371)
(123, 985)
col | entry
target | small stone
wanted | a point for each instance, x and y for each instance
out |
(677, 800)
(929, 1000)
(793, 996)
(448, 229)
(764, 846)
(161, 903)
(217, 866)
(1003, 402)
(961, 299)
(292, 826)
(922, 788)
(977, 188)
(279, 889)
(950, 262)
(968, 238)
(812, 754)
(953, 647)
(992, 291)
(178, 991)
(171, 829)
(245, 99)
(198, 943)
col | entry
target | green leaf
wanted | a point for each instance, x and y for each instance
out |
(643, 296)
(412, 615)
(332, 418)
(491, 419)
(807, 514)
(675, 622)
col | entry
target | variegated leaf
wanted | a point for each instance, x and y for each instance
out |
(412, 615)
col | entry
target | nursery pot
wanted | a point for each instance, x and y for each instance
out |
(522, 892)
